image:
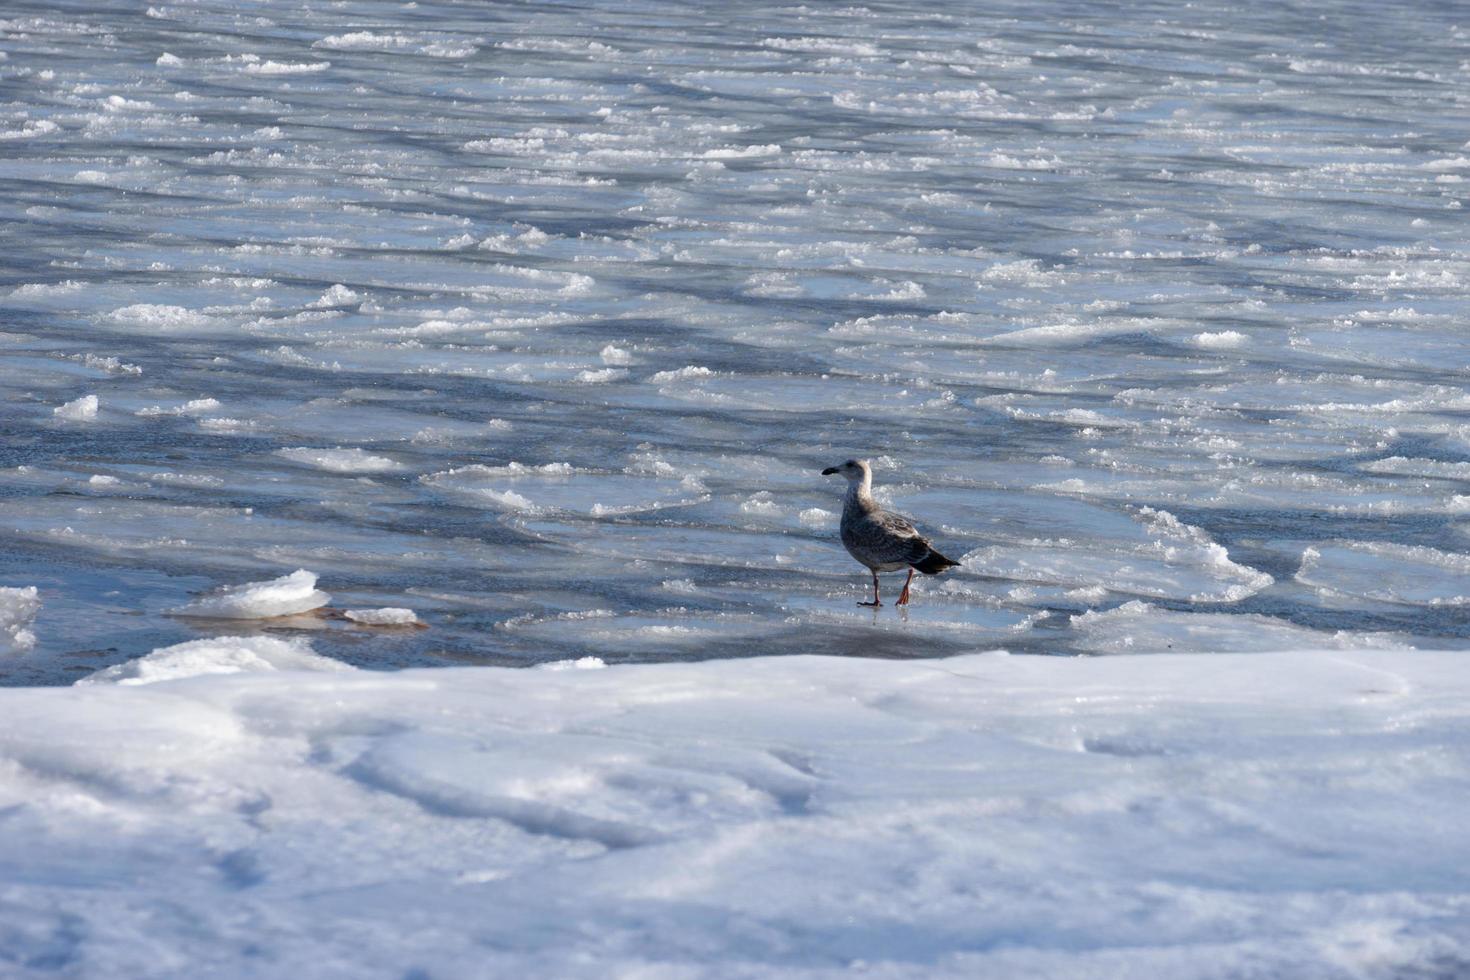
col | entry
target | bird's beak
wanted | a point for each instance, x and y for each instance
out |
(829, 471)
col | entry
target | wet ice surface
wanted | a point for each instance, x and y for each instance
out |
(540, 322)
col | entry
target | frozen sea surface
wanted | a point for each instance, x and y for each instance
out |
(540, 321)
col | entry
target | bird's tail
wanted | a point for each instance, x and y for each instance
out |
(934, 563)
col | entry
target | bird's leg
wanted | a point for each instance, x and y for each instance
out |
(903, 597)
(876, 602)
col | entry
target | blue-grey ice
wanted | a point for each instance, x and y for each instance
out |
(515, 319)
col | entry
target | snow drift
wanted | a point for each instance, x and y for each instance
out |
(1294, 814)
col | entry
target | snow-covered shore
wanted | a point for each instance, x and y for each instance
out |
(1276, 815)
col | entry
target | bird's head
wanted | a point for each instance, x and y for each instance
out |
(854, 470)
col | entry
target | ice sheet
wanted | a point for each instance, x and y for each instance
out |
(302, 285)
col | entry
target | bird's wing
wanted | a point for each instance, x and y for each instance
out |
(895, 524)
(889, 537)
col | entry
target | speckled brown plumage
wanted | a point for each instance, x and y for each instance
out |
(880, 539)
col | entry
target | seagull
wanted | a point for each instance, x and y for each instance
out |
(880, 539)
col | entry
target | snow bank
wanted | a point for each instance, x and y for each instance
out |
(18, 607)
(220, 655)
(284, 596)
(984, 816)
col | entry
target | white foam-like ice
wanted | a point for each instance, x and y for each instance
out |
(18, 608)
(159, 316)
(1221, 340)
(337, 295)
(340, 460)
(194, 406)
(83, 409)
(286, 67)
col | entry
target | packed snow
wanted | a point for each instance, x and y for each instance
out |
(228, 808)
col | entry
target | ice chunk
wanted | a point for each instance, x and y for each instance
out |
(600, 375)
(159, 315)
(368, 41)
(33, 290)
(1022, 272)
(1177, 542)
(581, 663)
(338, 295)
(31, 128)
(762, 504)
(286, 68)
(822, 45)
(220, 655)
(681, 374)
(81, 410)
(18, 608)
(743, 152)
(1087, 593)
(1222, 340)
(284, 596)
(191, 407)
(614, 355)
(110, 365)
(364, 41)
(387, 616)
(340, 460)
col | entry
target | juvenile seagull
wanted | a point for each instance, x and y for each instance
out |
(881, 539)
